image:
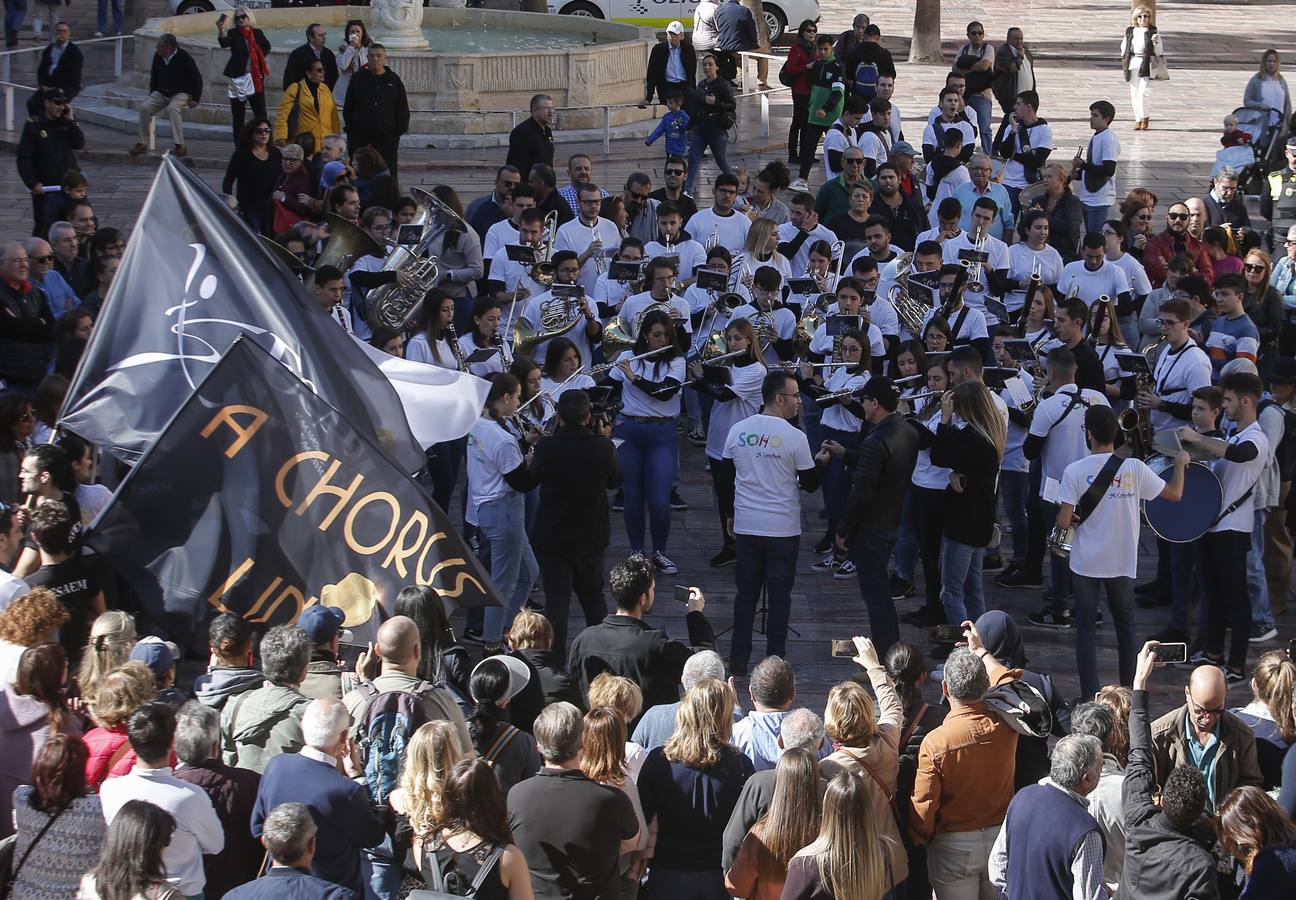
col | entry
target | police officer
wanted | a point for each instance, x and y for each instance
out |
(46, 151)
(1278, 202)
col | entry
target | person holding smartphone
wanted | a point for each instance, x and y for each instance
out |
(1105, 550)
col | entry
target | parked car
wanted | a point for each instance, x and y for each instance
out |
(779, 14)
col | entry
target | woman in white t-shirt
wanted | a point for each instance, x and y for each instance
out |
(1139, 50)
(485, 336)
(438, 345)
(840, 423)
(731, 403)
(561, 371)
(760, 250)
(649, 451)
(84, 460)
(1108, 341)
(927, 500)
(498, 477)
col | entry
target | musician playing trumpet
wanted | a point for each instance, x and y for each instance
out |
(675, 241)
(589, 236)
(549, 312)
(984, 256)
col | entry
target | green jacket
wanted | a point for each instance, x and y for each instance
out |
(257, 725)
(833, 198)
(827, 91)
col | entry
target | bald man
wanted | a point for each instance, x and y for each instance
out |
(1203, 734)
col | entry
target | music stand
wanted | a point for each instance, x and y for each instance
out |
(761, 617)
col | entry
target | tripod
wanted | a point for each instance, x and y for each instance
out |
(762, 616)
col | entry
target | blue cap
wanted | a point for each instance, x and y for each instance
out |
(321, 623)
(154, 653)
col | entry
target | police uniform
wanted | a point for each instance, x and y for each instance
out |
(46, 150)
(1278, 205)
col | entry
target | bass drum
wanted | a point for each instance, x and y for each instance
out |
(1187, 520)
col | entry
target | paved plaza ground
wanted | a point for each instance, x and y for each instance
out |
(1213, 49)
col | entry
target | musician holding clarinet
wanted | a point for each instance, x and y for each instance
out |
(1100, 498)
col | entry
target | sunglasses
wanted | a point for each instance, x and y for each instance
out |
(1252, 267)
(261, 131)
(854, 162)
(675, 172)
(642, 198)
(240, 18)
(42, 259)
(1176, 217)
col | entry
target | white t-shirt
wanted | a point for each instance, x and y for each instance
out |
(533, 313)
(967, 122)
(577, 236)
(611, 294)
(493, 451)
(896, 120)
(1110, 280)
(822, 342)
(1040, 136)
(838, 137)
(884, 316)
(512, 274)
(481, 369)
(1065, 441)
(732, 233)
(417, 349)
(801, 259)
(749, 264)
(782, 327)
(1021, 259)
(1175, 377)
(768, 452)
(875, 147)
(746, 385)
(1236, 478)
(1139, 283)
(997, 250)
(11, 588)
(1103, 147)
(837, 416)
(1106, 544)
(926, 475)
(635, 402)
(690, 253)
(498, 236)
(578, 382)
(633, 310)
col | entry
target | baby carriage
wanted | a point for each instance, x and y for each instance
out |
(1255, 160)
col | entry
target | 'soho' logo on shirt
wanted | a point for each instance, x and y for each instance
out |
(773, 441)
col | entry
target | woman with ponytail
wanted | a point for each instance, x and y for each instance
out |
(1271, 715)
(512, 753)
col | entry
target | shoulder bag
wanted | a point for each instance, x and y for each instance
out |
(6, 877)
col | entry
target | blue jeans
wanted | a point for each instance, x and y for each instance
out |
(1094, 217)
(962, 594)
(382, 873)
(811, 415)
(648, 457)
(985, 111)
(513, 567)
(1059, 567)
(102, 20)
(870, 551)
(718, 142)
(769, 563)
(692, 407)
(1129, 329)
(15, 12)
(906, 548)
(1120, 600)
(1257, 584)
(838, 479)
(1012, 492)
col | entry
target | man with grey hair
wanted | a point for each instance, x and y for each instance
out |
(174, 83)
(773, 691)
(964, 780)
(1105, 803)
(58, 293)
(657, 723)
(1226, 206)
(68, 262)
(266, 722)
(801, 729)
(1064, 860)
(570, 829)
(289, 835)
(232, 792)
(346, 819)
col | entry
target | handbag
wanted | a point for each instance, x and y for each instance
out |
(284, 218)
(241, 87)
(294, 118)
(1157, 70)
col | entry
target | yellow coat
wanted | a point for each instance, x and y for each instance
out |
(323, 123)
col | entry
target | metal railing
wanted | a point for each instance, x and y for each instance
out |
(8, 86)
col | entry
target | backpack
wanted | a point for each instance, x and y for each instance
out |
(384, 729)
(866, 76)
(452, 882)
(1285, 452)
(1022, 708)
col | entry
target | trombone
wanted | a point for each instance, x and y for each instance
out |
(543, 270)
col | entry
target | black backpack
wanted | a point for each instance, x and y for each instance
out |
(1285, 452)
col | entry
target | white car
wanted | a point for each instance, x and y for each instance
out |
(194, 7)
(780, 15)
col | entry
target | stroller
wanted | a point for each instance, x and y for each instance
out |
(1253, 161)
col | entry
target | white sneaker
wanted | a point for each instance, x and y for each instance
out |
(799, 185)
(828, 564)
(845, 571)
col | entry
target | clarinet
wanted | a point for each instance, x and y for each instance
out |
(453, 340)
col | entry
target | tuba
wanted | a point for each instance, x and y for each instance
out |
(346, 243)
(394, 305)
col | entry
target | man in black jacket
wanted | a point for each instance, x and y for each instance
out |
(27, 327)
(47, 149)
(868, 52)
(59, 67)
(174, 83)
(532, 141)
(1167, 850)
(624, 644)
(314, 49)
(377, 110)
(885, 463)
(735, 32)
(577, 466)
(672, 66)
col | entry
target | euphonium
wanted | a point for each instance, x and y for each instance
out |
(616, 339)
(347, 242)
(392, 304)
(557, 317)
(543, 270)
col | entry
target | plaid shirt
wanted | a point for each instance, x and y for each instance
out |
(568, 193)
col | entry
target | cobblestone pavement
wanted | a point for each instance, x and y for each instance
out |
(1075, 45)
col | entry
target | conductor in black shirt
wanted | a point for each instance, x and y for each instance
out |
(576, 466)
(532, 141)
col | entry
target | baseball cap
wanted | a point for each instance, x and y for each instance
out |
(519, 675)
(883, 390)
(56, 95)
(157, 654)
(675, 28)
(1291, 143)
(332, 172)
(321, 623)
(902, 148)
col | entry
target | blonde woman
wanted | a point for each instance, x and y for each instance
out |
(791, 822)
(689, 787)
(623, 695)
(1271, 714)
(972, 450)
(1267, 90)
(1142, 61)
(868, 744)
(848, 860)
(761, 249)
(111, 638)
(431, 753)
(119, 694)
(603, 759)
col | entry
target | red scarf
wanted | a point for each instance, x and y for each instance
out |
(257, 67)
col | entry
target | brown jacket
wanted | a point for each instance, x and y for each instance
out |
(965, 769)
(878, 763)
(1236, 764)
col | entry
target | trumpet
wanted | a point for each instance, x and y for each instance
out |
(976, 269)
(712, 240)
(604, 368)
(543, 271)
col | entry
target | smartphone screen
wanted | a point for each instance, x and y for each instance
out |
(348, 654)
(949, 634)
(1171, 653)
(843, 648)
(682, 593)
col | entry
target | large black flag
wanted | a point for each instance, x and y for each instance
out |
(259, 498)
(194, 279)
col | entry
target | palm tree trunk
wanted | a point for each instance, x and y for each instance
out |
(926, 45)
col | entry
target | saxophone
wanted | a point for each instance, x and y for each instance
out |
(1136, 423)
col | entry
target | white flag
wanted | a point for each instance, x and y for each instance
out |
(440, 404)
